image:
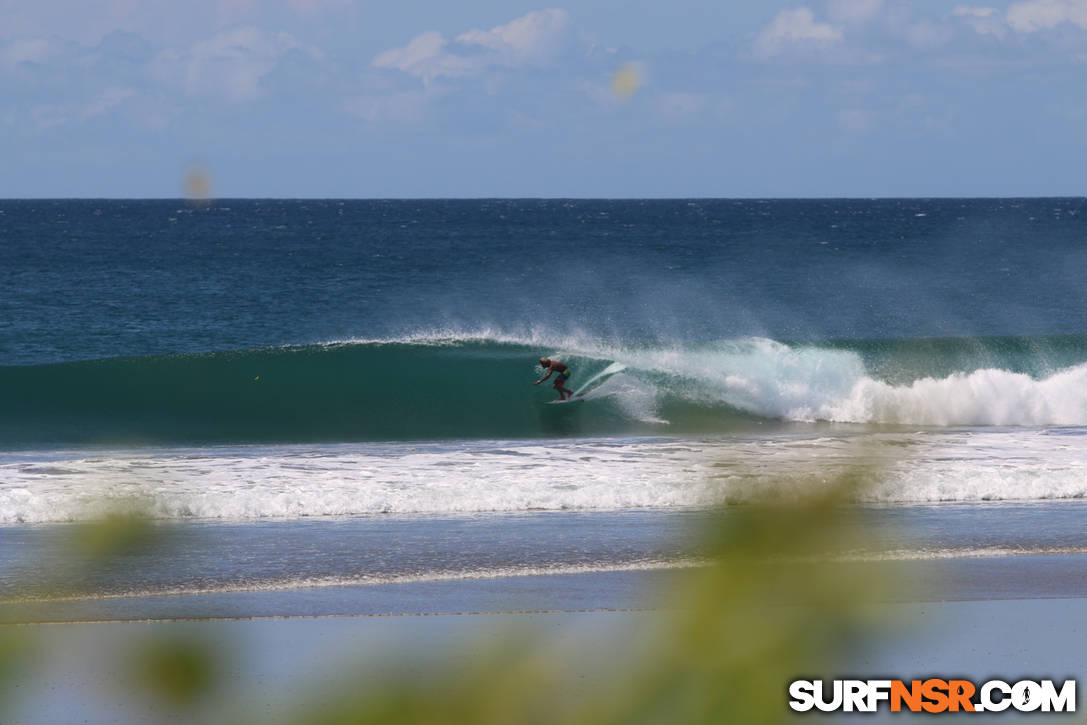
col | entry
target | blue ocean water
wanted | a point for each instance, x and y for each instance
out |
(251, 360)
(94, 279)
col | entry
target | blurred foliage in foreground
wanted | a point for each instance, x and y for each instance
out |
(770, 605)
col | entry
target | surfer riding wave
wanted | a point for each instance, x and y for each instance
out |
(562, 374)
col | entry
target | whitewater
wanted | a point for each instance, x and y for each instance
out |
(480, 477)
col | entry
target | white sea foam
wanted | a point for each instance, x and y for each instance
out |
(477, 477)
(982, 397)
(346, 480)
(774, 380)
(987, 552)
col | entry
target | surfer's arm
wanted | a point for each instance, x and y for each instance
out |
(545, 377)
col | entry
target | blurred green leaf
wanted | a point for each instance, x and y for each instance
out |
(177, 671)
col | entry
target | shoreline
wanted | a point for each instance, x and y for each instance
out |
(1009, 579)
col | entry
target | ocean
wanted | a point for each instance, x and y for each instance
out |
(336, 396)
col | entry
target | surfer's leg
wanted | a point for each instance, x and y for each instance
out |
(562, 385)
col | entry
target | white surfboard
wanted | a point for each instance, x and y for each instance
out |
(593, 383)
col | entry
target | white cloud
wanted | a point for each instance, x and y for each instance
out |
(984, 20)
(231, 64)
(853, 11)
(795, 28)
(535, 39)
(421, 56)
(1034, 15)
(1029, 16)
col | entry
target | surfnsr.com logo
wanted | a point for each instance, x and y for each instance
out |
(932, 695)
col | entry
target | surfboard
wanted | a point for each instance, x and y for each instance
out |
(593, 383)
(572, 399)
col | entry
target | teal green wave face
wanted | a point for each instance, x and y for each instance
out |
(469, 389)
(314, 393)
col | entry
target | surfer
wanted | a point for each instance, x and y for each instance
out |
(562, 375)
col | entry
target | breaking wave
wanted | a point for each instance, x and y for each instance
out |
(478, 387)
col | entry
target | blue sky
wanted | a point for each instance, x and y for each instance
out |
(616, 98)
